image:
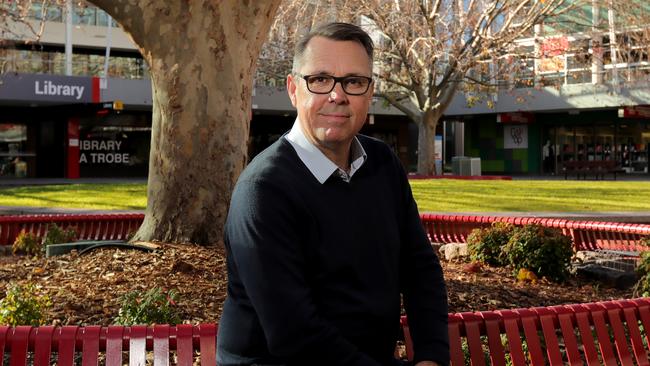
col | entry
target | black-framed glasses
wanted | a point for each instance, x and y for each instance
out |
(324, 84)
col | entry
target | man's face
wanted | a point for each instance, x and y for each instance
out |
(331, 120)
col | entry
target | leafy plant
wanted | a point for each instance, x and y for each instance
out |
(485, 245)
(57, 235)
(152, 307)
(27, 243)
(544, 251)
(642, 287)
(23, 305)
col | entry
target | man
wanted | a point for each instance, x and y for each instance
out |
(323, 233)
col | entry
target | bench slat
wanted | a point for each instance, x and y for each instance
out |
(497, 354)
(114, 336)
(208, 334)
(90, 347)
(67, 343)
(632, 321)
(3, 340)
(528, 321)
(567, 326)
(546, 319)
(473, 333)
(617, 327)
(161, 345)
(513, 334)
(184, 348)
(19, 344)
(586, 337)
(455, 345)
(602, 333)
(138, 345)
(43, 345)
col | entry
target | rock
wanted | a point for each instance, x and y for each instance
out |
(454, 251)
(473, 267)
(610, 277)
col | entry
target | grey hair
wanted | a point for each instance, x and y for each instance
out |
(337, 32)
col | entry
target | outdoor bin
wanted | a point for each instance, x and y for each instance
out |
(466, 166)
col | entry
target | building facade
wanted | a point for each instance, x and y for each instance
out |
(577, 95)
(89, 114)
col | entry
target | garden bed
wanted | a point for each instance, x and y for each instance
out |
(85, 289)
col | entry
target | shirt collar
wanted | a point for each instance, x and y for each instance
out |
(320, 166)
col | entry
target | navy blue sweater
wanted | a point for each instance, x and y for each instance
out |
(315, 271)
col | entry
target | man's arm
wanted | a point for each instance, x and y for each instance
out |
(263, 232)
(423, 288)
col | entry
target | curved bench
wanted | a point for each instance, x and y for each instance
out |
(606, 333)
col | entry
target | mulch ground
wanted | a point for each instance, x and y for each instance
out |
(86, 289)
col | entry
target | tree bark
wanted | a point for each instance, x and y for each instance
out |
(426, 142)
(201, 55)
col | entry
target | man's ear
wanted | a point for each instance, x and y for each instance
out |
(291, 89)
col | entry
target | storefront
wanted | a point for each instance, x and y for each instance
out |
(596, 136)
(540, 143)
(54, 126)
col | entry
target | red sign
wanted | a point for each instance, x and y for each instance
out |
(554, 46)
(639, 111)
(516, 117)
(73, 149)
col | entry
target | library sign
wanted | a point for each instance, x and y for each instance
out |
(48, 88)
(102, 152)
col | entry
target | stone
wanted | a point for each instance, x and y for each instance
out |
(454, 251)
(609, 277)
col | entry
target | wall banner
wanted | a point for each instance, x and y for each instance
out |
(515, 137)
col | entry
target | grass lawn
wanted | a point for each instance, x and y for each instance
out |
(127, 196)
(451, 195)
(442, 195)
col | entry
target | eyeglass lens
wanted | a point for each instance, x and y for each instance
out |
(324, 84)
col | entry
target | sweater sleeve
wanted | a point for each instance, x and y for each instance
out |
(263, 232)
(423, 287)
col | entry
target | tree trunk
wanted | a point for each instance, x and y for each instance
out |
(426, 143)
(201, 56)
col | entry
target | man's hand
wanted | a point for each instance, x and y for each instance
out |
(426, 363)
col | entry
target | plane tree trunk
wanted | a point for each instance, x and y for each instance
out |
(201, 55)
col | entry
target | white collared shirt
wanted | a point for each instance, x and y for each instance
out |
(320, 165)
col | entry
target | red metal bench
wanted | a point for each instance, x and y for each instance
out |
(88, 227)
(69, 345)
(605, 333)
(586, 235)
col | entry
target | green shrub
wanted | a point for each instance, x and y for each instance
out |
(56, 235)
(27, 243)
(544, 251)
(152, 307)
(23, 305)
(642, 287)
(485, 245)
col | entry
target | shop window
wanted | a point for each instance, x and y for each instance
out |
(13, 139)
(114, 151)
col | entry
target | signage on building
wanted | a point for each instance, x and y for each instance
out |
(516, 117)
(102, 152)
(48, 88)
(552, 54)
(639, 111)
(515, 137)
